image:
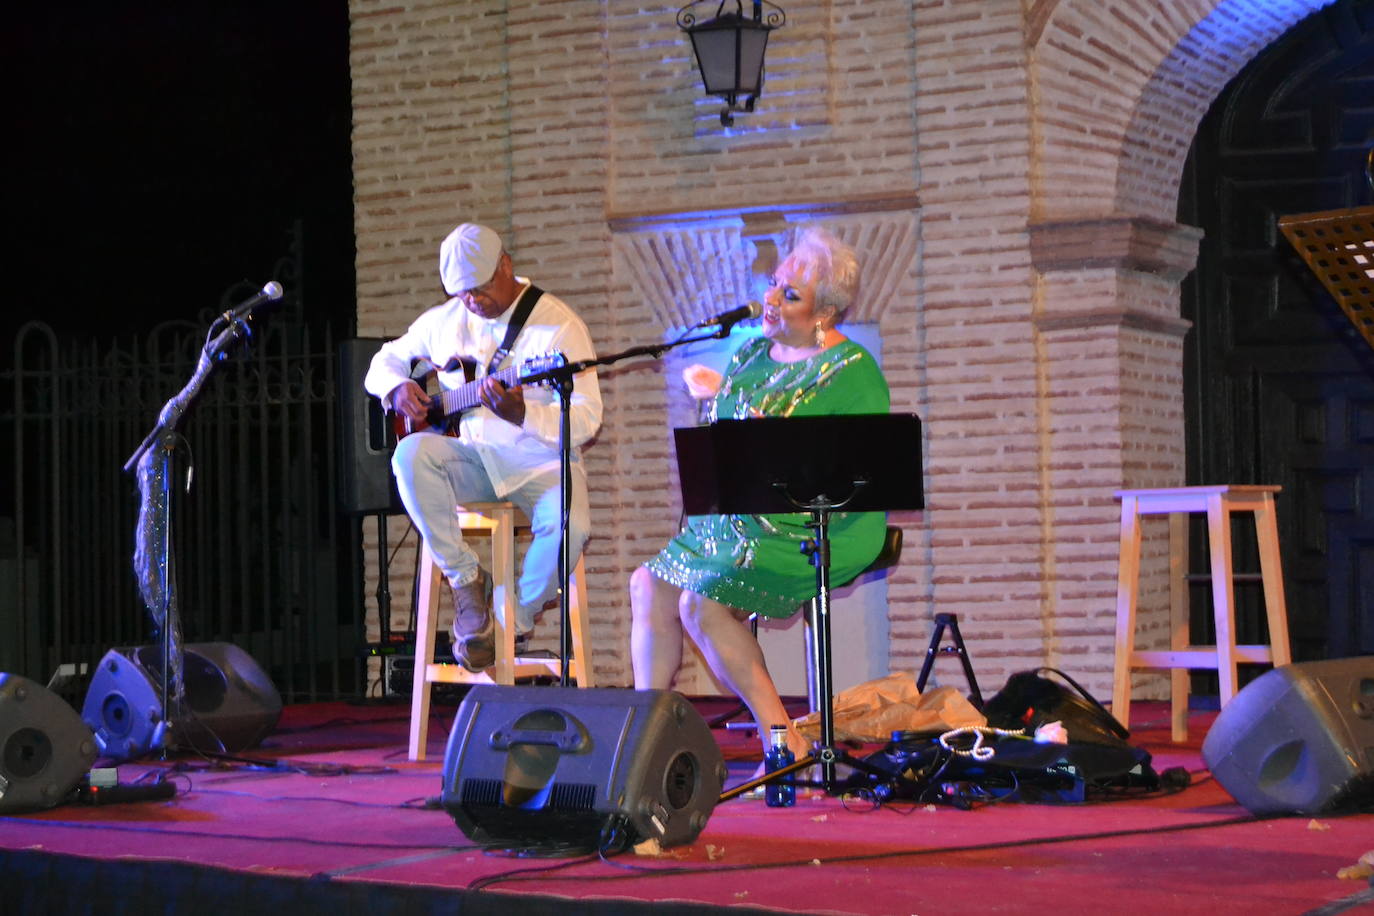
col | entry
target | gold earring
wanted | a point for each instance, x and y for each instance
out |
(820, 335)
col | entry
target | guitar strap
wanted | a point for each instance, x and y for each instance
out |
(523, 307)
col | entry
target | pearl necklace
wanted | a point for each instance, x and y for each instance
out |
(978, 751)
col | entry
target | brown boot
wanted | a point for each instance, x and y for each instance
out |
(474, 631)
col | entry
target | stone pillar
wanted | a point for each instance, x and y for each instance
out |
(1109, 346)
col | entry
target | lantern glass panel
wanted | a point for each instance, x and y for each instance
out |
(723, 71)
(752, 45)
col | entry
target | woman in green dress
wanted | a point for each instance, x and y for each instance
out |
(722, 568)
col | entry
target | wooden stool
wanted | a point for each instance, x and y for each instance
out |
(498, 521)
(1219, 502)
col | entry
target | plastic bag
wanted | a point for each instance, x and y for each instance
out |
(873, 710)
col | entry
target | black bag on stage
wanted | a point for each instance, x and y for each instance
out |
(1096, 759)
(1098, 745)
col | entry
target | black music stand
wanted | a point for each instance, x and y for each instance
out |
(854, 463)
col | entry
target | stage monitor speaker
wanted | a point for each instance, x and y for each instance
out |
(1298, 739)
(366, 484)
(568, 770)
(45, 748)
(231, 703)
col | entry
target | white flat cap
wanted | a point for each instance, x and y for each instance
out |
(468, 257)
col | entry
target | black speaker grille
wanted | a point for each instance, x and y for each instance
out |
(563, 796)
(483, 792)
(680, 781)
(27, 753)
(572, 796)
(1357, 793)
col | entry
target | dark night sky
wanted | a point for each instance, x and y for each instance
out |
(162, 152)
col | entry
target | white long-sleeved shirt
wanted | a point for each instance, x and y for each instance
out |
(511, 454)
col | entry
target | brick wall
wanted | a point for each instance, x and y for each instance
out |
(1007, 169)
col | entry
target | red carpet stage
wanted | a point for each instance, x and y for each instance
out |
(328, 816)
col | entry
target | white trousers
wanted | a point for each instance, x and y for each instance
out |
(435, 473)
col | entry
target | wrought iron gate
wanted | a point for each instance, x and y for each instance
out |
(263, 558)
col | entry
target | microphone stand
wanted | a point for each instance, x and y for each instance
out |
(560, 379)
(824, 754)
(153, 557)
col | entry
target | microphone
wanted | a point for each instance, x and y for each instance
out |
(269, 293)
(731, 318)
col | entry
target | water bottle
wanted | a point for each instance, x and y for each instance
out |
(780, 793)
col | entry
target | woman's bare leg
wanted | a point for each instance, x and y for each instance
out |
(655, 631)
(735, 657)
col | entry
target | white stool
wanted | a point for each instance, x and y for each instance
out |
(1219, 502)
(498, 521)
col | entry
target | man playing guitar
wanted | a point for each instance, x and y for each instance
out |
(503, 442)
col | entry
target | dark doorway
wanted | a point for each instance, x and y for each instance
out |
(1280, 384)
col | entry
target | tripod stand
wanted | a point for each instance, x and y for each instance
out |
(753, 467)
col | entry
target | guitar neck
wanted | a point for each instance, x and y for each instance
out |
(467, 396)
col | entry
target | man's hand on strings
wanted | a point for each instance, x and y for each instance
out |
(506, 403)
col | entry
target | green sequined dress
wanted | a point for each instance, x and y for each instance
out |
(754, 562)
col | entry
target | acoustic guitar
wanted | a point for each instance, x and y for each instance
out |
(447, 405)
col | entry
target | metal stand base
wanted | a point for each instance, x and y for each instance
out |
(825, 754)
(824, 757)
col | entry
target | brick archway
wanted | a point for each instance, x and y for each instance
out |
(1117, 100)
(1119, 95)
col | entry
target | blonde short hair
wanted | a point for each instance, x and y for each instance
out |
(832, 264)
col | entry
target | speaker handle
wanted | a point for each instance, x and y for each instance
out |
(569, 740)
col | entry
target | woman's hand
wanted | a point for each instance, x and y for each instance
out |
(702, 382)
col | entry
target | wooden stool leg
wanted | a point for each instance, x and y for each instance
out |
(498, 520)
(581, 670)
(1127, 584)
(503, 598)
(1179, 678)
(1223, 595)
(1271, 572)
(426, 624)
